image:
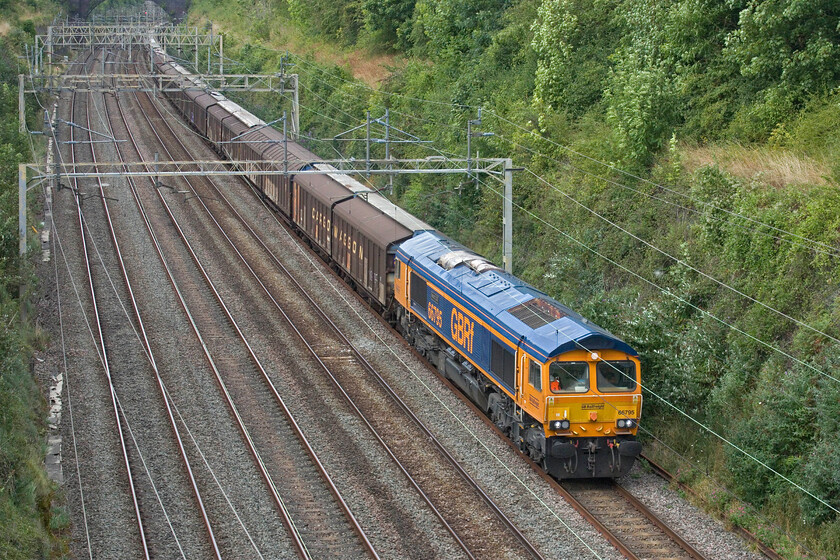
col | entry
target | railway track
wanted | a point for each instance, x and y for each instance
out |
(267, 428)
(622, 519)
(342, 363)
(98, 332)
(625, 521)
(133, 372)
(642, 537)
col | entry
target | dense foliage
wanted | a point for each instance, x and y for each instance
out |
(680, 188)
(25, 492)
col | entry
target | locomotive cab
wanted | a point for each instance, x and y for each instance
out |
(593, 405)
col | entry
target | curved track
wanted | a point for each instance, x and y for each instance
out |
(303, 398)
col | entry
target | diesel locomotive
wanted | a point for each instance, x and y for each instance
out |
(566, 391)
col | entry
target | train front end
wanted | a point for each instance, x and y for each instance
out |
(593, 405)
(565, 390)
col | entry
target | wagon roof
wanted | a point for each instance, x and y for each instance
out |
(375, 199)
(204, 99)
(370, 220)
(275, 150)
(247, 118)
(380, 228)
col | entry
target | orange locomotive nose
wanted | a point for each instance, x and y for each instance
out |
(593, 416)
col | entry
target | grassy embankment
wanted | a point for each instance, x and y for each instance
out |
(30, 527)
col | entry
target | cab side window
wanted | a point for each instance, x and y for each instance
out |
(535, 375)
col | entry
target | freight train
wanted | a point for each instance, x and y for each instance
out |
(566, 391)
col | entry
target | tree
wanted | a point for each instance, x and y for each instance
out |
(390, 21)
(453, 29)
(573, 40)
(789, 44)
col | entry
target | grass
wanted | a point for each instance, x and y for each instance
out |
(365, 65)
(776, 167)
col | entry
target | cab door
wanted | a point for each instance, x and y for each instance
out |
(399, 282)
(531, 377)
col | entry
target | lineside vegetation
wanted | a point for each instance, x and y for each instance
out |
(30, 526)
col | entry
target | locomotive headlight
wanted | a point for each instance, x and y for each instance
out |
(559, 425)
(625, 423)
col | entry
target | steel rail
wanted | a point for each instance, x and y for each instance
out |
(391, 392)
(653, 518)
(595, 522)
(296, 537)
(150, 355)
(104, 355)
(634, 502)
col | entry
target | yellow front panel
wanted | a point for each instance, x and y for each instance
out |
(593, 415)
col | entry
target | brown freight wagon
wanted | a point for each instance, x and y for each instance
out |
(290, 155)
(357, 236)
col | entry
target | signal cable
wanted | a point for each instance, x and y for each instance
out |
(735, 290)
(657, 185)
(723, 284)
(811, 246)
(682, 262)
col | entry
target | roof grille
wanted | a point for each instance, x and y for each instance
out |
(537, 312)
